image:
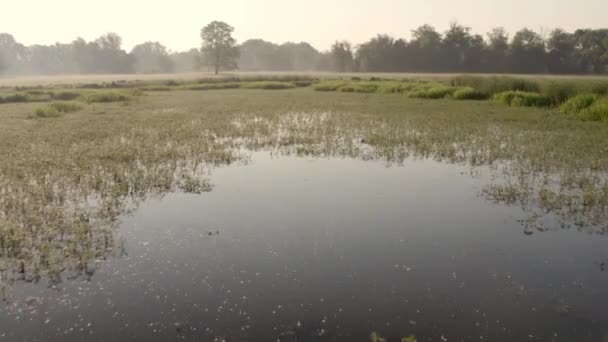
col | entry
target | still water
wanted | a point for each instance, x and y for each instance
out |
(296, 249)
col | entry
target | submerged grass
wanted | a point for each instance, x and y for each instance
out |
(65, 183)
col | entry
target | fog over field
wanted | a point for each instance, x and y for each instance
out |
(119, 37)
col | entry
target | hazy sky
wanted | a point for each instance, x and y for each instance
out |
(177, 23)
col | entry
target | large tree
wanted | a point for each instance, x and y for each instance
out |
(342, 57)
(219, 47)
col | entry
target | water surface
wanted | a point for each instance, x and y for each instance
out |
(297, 249)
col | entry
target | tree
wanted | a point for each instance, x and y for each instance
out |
(219, 47)
(425, 49)
(527, 52)
(342, 59)
(497, 50)
(561, 48)
(152, 57)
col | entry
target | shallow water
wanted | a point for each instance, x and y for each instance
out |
(288, 248)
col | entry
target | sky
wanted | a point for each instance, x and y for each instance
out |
(177, 23)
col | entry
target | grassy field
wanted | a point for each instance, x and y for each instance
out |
(77, 156)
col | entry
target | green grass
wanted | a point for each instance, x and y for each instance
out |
(269, 85)
(518, 98)
(213, 86)
(107, 97)
(468, 93)
(598, 111)
(578, 103)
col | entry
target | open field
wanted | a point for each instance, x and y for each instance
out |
(76, 158)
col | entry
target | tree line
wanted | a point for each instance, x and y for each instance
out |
(584, 51)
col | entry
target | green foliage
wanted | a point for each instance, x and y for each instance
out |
(219, 47)
(107, 97)
(559, 92)
(66, 107)
(330, 85)
(436, 91)
(518, 98)
(358, 87)
(269, 85)
(578, 103)
(24, 97)
(65, 95)
(47, 112)
(468, 93)
(494, 85)
(598, 111)
(213, 86)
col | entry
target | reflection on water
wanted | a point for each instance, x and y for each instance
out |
(287, 248)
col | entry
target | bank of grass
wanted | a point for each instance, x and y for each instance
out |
(70, 180)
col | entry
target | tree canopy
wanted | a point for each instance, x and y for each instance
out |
(219, 48)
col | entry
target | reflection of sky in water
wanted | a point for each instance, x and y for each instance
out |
(325, 250)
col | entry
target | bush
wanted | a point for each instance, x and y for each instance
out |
(65, 95)
(522, 99)
(432, 92)
(65, 107)
(157, 88)
(495, 85)
(331, 85)
(358, 87)
(468, 93)
(559, 92)
(213, 86)
(47, 112)
(107, 97)
(302, 84)
(578, 103)
(269, 85)
(598, 111)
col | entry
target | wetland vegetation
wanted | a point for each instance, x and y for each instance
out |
(76, 158)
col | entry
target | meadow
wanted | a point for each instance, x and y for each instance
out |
(76, 157)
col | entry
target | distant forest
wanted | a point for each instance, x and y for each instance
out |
(456, 50)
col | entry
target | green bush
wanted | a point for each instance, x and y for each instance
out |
(331, 85)
(468, 93)
(65, 95)
(107, 97)
(358, 87)
(559, 92)
(494, 85)
(269, 85)
(598, 111)
(518, 98)
(47, 112)
(431, 92)
(302, 84)
(65, 107)
(578, 103)
(213, 86)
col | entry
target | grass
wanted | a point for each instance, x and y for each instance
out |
(517, 98)
(468, 93)
(269, 85)
(70, 180)
(107, 97)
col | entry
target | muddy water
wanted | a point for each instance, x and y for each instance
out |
(296, 249)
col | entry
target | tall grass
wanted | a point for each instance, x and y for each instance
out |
(269, 85)
(578, 103)
(107, 97)
(518, 98)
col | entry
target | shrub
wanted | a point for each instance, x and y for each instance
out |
(269, 85)
(358, 87)
(302, 84)
(559, 92)
(598, 111)
(107, 97)
(495, 85)
(213, 86)
(578, 103)
(468, 93)
(157, 88)
(518, 98)
(65, 95)
(47, 112)
(331, 85)
(432, 92)
(65, 107)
